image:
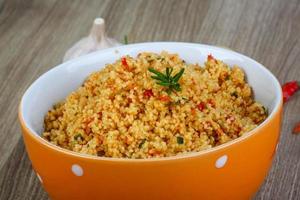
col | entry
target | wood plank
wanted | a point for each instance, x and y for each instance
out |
(18, 180)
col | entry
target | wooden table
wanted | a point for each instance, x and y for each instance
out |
(35, 34)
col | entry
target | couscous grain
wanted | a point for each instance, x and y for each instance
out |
(121, 111)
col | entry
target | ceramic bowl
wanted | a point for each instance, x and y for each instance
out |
(234, 170)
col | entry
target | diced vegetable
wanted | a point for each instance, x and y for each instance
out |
(180, 140)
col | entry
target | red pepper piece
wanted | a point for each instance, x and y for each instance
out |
(124, 61)
(296, 129)
(212, 103)
(289, 89)
(125, 64)
(201, 106)
(210, 57)
(165, 98)
(193, 110)
(148, 93)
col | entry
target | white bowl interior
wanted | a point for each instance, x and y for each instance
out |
(57, 83)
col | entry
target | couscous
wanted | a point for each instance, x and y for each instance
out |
(154, 105)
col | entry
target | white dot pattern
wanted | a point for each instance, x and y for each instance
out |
(77, 170)
(221, 161)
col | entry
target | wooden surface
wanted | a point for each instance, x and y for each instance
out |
(35, 34)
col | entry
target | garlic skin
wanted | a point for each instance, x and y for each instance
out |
(96, 40)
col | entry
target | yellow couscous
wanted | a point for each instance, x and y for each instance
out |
(155, 105)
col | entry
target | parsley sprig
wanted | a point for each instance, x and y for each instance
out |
(167, 80)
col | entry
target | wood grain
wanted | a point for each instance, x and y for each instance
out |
(35, 34)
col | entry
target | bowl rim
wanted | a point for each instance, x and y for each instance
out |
(35, 136)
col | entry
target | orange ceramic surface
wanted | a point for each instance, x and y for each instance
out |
(192, 177)
(234, 170)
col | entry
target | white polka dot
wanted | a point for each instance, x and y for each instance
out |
(39, 177)
(77, 170)
(221, 161)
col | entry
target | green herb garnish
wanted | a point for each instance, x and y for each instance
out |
(167, 80)
(265, 110)
(179, 101)
(175, 102)
(180, 140)
(73, 143)
(78, 136)
(184, 98)
(142, 143)
(125, 39)
(161, 59)
(235, 94)
(227, 77)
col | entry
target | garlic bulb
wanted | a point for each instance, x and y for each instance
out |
(95, 41)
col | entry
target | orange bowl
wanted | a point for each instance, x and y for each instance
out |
(234, 170)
